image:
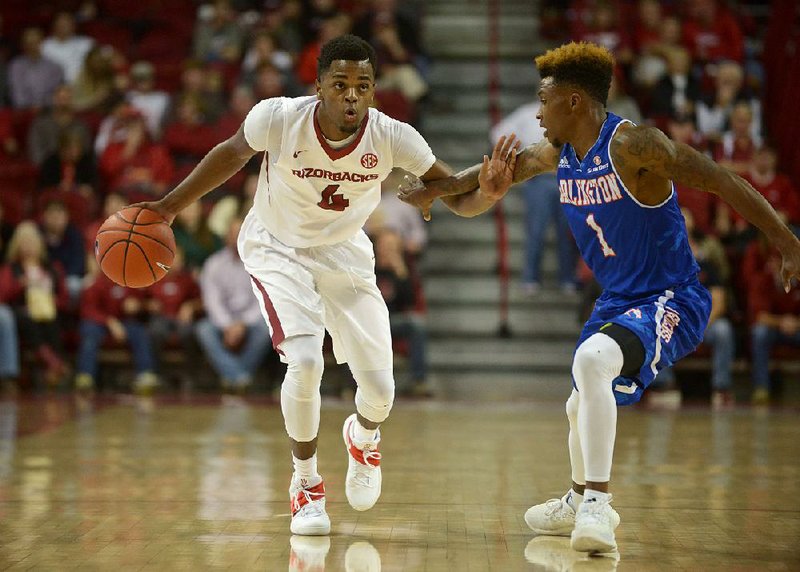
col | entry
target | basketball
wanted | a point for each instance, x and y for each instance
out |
(135, 247)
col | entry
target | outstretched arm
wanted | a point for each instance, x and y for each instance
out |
(219, 165)
(648, 149)
(461, 192)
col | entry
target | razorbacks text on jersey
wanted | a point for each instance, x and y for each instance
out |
(633, 249)
(311, 193)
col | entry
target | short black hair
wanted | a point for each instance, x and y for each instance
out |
(347, 47)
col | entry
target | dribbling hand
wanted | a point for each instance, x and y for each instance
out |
(158, 207)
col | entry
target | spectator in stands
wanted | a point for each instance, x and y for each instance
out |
(95, 85)
(189, 137)
(113, 202)
(65, 47)
(738, 145)
(195, 84)
(34, 289)
(241, 102)
(713, 114)
(397, 286)
(114, 128)
(719, 331)
(712, 33)
(400, 18)
(399, 217)
(776, 187)
(46, 130)
(231, 207)
(107, 308)
(647, 27)
(621, 103)
(9, 348)
(605, 29)
(218, 37)
(32, 78)
(542, 207)
(137, 167)
(265, 50)
(651, 64)
(9, 146)
(234, 336)
(173, 303)
(306, 68)
(71, 168)
(774, 319)
(395, 68)
(194, 237)
(268, 82)
(143, 96)
(284, 20)
(677, 91)
(64, 244)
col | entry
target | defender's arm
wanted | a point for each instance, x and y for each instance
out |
(461, 192)
(648, 149)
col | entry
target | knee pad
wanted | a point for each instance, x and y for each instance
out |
(599, 359)
(300, 400)
(375, 394)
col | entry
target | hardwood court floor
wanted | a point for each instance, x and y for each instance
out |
(176, 486)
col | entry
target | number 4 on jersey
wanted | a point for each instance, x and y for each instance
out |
(607, 250)
(331, 202)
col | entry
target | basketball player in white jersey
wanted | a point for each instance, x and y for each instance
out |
(311, 264)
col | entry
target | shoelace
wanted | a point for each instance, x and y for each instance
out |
(304, 499)
(555, 507)
(363, 472)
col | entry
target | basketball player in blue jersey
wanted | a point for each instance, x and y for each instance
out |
(616, 182)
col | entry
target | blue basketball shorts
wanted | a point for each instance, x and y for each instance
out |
(670, 325)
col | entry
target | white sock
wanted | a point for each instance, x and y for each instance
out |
(574, 499)
(595, 496)
(305, 470)
(362, 435)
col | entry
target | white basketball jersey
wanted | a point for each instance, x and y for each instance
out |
(310, 193)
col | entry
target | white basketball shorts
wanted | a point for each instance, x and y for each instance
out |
(304, 291)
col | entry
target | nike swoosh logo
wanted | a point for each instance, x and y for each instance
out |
(296, 153)
(163, 266)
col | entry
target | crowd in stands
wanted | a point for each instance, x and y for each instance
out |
(108, 102)
(694, 69)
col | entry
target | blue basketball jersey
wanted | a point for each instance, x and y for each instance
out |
(632, 249)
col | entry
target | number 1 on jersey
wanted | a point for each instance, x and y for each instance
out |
(607, 250)
(331, 202)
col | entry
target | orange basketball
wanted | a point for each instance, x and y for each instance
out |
(135, 247)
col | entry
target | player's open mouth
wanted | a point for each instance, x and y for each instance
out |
(350, 114)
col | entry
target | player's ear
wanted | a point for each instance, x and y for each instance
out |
(318, 87)
(574, 99)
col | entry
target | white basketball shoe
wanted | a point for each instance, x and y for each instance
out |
(594, 527)
(363, 483)
(308, 509)
(556, 517)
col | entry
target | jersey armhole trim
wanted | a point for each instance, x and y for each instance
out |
(622, 183)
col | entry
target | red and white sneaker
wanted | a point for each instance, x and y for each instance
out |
(363, 483)
(308, 509)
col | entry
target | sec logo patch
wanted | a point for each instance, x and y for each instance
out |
(369, 160)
